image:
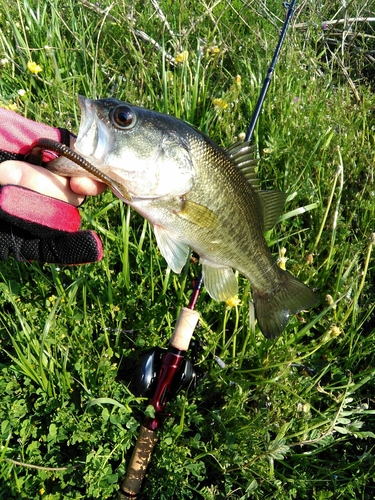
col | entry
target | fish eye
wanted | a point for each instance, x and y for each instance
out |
(123, 117)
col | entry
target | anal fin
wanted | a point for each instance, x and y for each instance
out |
(220, 282)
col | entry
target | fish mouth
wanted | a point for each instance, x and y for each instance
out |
(94, 140)
(87, 118)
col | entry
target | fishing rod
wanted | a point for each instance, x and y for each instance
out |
(170, 365)
(183, 332)
(267, 80)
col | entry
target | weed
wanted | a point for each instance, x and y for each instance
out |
(291, 418)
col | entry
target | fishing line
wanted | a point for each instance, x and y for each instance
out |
(250, 131)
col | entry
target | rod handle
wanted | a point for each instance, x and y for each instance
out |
(184, 329)
(139, 461)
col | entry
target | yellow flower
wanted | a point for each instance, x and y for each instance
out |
(336, 331)
(182, 57)
(329, 299)
(283, 259)
(12, 106)
(33, 67)
(213, 51)
(237, 80)
(332, 333)
(233, 302)
(220, 103)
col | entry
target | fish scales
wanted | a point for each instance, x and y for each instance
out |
(222, 188)
(197, 196)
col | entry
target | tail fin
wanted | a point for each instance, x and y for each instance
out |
(273, 310)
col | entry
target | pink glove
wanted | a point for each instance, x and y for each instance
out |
(34, 226)
(18, 134)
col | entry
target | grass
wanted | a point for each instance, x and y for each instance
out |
(289, 419)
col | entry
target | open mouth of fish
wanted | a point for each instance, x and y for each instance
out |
(90, 148)
(94, 139)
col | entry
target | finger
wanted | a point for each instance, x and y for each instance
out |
(39, 179)
(87, 186)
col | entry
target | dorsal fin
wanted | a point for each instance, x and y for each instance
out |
(242, 155)
(273, 205)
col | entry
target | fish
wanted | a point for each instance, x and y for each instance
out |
(197, 196)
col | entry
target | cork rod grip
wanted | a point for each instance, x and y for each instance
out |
(141, 456)
(131, 485)
(184, 329)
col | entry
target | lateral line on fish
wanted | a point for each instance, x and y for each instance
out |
(269, 269)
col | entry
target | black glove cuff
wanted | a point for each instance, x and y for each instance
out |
(5, 156)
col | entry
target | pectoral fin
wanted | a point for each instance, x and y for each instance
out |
(198, 214)
(220, 282)
(175, 252)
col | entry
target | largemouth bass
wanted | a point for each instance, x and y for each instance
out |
(197, 196)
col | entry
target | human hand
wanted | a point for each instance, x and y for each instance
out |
(73, 191)
(39, 219)
(17, 137)
(38, 215)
